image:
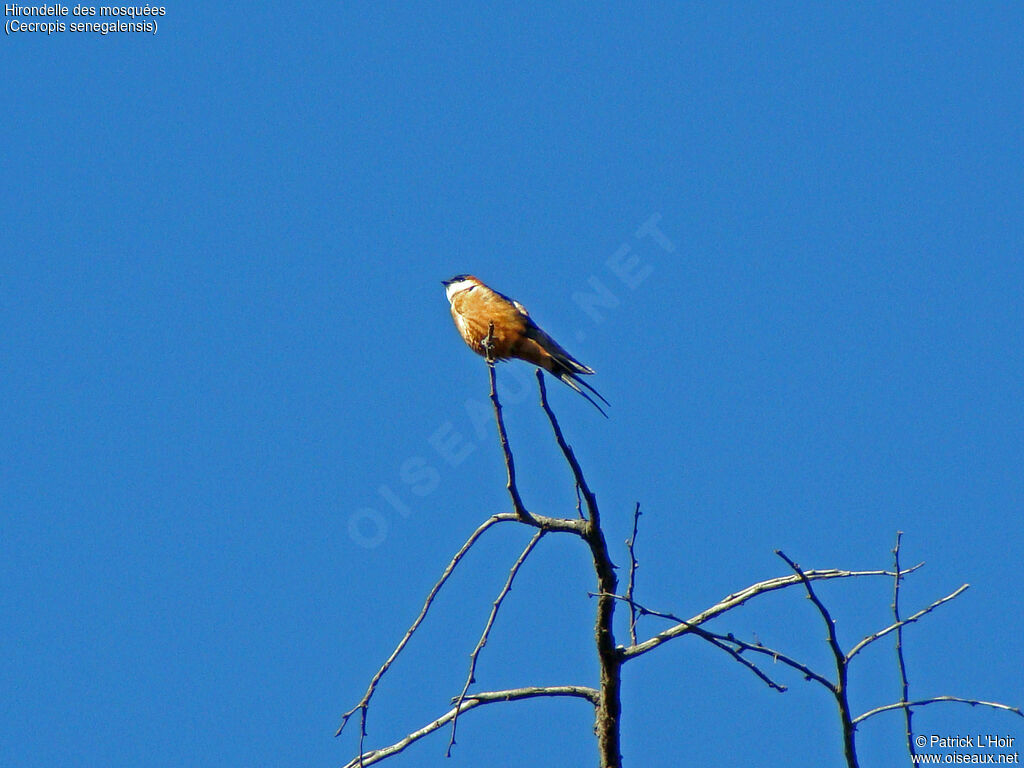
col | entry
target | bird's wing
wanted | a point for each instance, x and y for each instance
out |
(553, 348)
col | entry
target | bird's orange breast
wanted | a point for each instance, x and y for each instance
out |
(474, 311)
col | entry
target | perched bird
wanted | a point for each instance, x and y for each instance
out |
(475, 307)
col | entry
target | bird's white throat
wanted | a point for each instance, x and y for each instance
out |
(453, 288)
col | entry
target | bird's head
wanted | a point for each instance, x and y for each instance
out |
(458, 284)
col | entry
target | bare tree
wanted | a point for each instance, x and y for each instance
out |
(605, 698)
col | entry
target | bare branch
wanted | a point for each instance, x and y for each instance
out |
(717, 640)
(543, 523)
(364, 702)
(558, 524)
(741, 645)
(789, 661)
(739, 598)
(609, 709)
(563, 525)
(722, 643)
(471, 677)
(904, 683)
(570, 457)
(840, 689)
(510, 466)
(631, 584)
(900, 624)
(471, 702)
(936, 700)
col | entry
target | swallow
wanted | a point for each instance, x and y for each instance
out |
(475, 306)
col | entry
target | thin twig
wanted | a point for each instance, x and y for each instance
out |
(544, 522)
(904, 683)
(631, 584)
(717, 640)
(560, 524)
(361, 707)
(808, 673)
(510, 466)
(737, 599)
(840, 689)
(570, 457)
(936, 700)
(722, 643)
(900, 624)
(741, 645)
(471, 677)
(474, 700)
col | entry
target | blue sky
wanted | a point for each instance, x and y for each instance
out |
(227, 366)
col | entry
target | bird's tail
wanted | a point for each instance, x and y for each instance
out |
(560, 363)
(574, 381)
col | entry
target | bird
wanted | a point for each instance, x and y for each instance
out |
(475, 306)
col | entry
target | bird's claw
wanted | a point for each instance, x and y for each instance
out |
(487, 343)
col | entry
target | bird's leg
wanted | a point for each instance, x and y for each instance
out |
(488, 344)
